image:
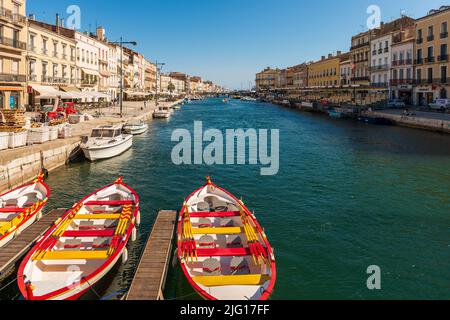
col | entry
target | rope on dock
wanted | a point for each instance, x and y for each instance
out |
(113, 295)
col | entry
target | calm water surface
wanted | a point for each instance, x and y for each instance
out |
(347, 196)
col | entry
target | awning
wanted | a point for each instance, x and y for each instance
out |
(91, 72)
(70, 89)
(60, 94)
(42, 90)
(94, 94)
(105, 73)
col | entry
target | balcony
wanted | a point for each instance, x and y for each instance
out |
(402, 62)
(44, 51)
(433, 81)
(383, 67)
(429, 60)
(46, 79)
(55, 55)
(72, 58)
(396, 82)
(13, 43)
(355, 79)
(386, 50)
(361, 45)
(418, 61)
(379, 84)
(12, 17)
(374, 52)
(64, 56)
(419, 41)
(8, 77)
(380, 51)
(443, 58)
(32, 77)
(444, 35)
(32, 48)
(430, 38)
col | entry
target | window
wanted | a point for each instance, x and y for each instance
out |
(430, 53)
(444, 27)
(408, 74)
(55, 49)
(44, 46)
(430, 75)
(401, 74)
(443, 51)
(1, 65)
(394, 75)
(32, 67)
(44, 69)
(444, 74)
(31, 42)
(15, 67)
(55, 70)
(419, 55)
(419, 34)
(419, 75)
(430, 31)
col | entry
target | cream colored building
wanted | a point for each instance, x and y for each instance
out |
(50, 61)
(150, 77)
(267, 79)
(432, 61)
(13, 35)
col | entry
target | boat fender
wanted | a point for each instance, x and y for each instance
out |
(39, 216)
(134, 235)
(138, 219)
(124, 256)
(17, 233)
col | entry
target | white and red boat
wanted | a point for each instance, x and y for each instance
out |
(82, 246)
(223, 250)
(21, 207)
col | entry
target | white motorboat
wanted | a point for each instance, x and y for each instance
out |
(135, 127)
(162, 113)
(106, 142)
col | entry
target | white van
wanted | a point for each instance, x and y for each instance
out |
(440, 104)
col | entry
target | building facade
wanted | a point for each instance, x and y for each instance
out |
(345, 66)
(267, 79)
(402, 71)
(360, 55)
(380, 65)
(150, 77)
(51, 60)
(325, 72)
(87, 61)
(13, 46)
(432, 60)
(300, 76)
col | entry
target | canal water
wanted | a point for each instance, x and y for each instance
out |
(347, 196)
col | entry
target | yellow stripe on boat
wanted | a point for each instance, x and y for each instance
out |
(97, 217)
(239, 280)
(73, 255)
(227, 230)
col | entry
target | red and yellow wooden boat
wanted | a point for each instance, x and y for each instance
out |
(82, 246)
(21, 207)
(223, 250)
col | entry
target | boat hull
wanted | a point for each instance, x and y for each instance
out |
(81, 273)
(20, 229)
(107, 152)
(136, 130)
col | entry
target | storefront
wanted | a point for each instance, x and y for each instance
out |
(11, 97)
(404, 92)
(424, 95)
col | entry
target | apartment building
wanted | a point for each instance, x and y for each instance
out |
(325, 72)
(360, 55)
(345, 67)
(99, 41)
(88, 61)
(381, 56)
(113, 62)
(13, 38)
(432, 60)
(300, 76)
(150, 77)
(402, 71)
(267, 79)
(51, 60)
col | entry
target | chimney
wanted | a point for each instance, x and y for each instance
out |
(100, 33)
(329, 55)
(63, 23)
(339, 53)
(57, 23)
(323, 58)
(32, 16)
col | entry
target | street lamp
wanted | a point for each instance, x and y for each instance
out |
(157, 64)
(121, 43)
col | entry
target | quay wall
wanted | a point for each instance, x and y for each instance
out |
(417, 122)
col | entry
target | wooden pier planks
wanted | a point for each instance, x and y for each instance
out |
(17, 248)
(151, 273)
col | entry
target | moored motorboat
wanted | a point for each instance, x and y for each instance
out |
(106, 142)
(82, 246)
(162, 113)
(135, 127)
(223, 251)
(21, 207)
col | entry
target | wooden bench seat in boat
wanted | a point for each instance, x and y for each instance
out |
(97, 217)
(72, 255)
(224, 252)
(12, 210)
(225, 214)
(89, 234)
(226, 230)
(236, 280)
(109, 203)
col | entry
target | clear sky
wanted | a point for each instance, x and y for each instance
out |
(228, 41)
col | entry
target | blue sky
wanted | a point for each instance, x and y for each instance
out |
(228, 41)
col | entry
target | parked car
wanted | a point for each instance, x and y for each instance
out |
(396, 103)
(440, 104)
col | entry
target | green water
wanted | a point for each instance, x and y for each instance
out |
(347, 196)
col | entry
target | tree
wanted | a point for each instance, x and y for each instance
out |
(171, 87)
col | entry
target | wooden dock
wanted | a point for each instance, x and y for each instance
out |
(150, 277)
(17, 248)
